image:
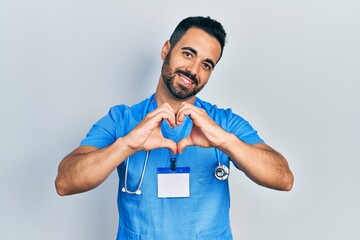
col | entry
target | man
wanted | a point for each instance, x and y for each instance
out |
(172, 150)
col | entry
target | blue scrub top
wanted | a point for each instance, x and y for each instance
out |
(205, 214)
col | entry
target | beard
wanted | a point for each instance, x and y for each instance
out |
(177, 90)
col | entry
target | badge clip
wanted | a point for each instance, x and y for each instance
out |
(173, 164)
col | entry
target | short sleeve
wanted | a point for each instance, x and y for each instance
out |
(103, 132)
(242, 129)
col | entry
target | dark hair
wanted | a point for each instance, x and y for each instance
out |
(210, 26)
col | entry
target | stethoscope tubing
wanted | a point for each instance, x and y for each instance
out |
(138, 190)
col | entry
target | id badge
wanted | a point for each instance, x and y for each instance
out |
(173, 184)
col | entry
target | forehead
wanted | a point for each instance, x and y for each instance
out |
(206, 45)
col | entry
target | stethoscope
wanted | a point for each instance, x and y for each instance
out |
(221, 171)
(137, 191)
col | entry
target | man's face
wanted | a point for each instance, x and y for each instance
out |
(188, 65)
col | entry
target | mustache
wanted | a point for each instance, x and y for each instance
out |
(188, 75)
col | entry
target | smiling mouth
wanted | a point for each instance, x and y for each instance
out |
(186, 80)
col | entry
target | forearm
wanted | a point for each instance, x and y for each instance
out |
(87, 167)
(260, 163)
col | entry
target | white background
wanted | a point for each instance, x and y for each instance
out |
(292, 68)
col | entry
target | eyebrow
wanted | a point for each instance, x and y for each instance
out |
(208, 60)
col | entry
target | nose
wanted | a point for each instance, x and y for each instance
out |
(193, 68)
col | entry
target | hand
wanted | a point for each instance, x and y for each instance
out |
(147, 134)
(205, 132)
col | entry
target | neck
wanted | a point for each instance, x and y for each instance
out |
(163, 95)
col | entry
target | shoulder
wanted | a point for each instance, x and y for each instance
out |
(123, 111)
(214, 111)
(231, 122)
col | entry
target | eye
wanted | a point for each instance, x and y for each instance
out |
(188, 54)
(207, 66)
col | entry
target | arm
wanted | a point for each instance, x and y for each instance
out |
(87, 167)
(259, 162)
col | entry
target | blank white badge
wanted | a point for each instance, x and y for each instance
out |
(173, 184)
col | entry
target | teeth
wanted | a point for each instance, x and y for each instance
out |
(186, 81)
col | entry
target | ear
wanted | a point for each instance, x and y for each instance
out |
(165, 49)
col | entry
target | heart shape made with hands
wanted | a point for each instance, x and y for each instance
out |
(181, 141)
(148, 134)
(197, 136)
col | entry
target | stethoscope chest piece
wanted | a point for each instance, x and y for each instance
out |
(221, 172)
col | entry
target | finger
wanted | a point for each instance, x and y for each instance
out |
(171, 120)
(171, 145)
(184, 110)
(165, 107)
(158, 117)
(196, 114)
(183, 143)
(163, 112)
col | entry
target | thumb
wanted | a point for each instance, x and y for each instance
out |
(170, 145)
(183, 143)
